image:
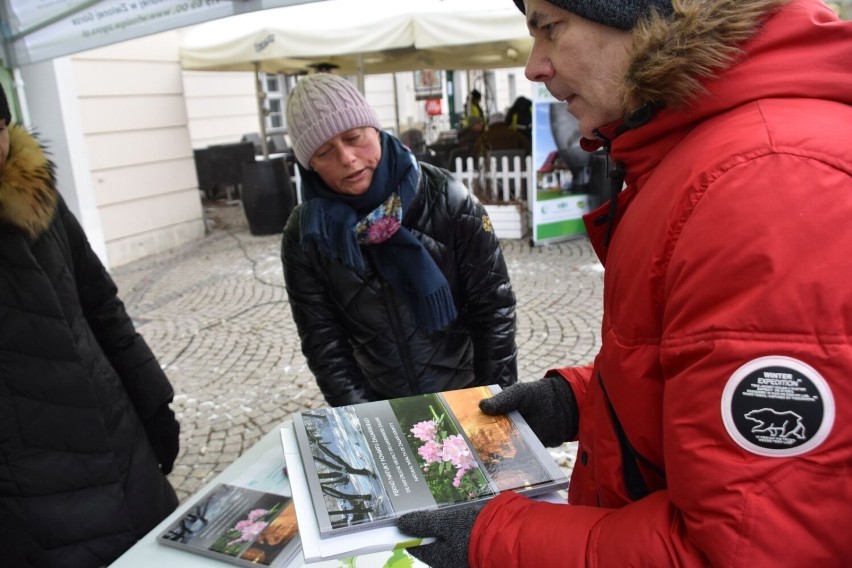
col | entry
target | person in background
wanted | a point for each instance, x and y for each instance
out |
(473, 108)
(500, 136)
(396, 280)
(519, 116)
(467, 136)
(86, 432)
(713, 426)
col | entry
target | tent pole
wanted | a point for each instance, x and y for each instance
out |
(396, 103)
(261, 109)
(361, 73)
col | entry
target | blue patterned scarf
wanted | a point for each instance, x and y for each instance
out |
(338, 224)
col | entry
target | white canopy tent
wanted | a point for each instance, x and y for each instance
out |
(361, 37)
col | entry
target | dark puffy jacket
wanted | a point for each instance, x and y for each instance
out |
(359, 336)
(78, 477)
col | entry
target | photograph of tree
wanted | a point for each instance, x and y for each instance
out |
(352, 491)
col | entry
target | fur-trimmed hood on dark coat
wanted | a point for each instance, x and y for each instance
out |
(77, 473)
(27, 184)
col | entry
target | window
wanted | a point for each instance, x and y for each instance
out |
(274, 86)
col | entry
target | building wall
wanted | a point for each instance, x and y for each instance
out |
(220, 107)
(128, 118)
(136, 134)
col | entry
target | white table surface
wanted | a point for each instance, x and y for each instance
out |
(147, 553)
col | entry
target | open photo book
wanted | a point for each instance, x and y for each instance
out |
(355, 469)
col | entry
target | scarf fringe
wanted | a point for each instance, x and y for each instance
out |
(435, 311)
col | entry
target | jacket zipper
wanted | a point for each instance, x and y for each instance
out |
(615, 173)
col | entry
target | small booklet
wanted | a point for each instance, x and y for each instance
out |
(236, 524)
(354, 469)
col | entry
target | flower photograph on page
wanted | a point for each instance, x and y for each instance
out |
(449, 465)
(240, 537)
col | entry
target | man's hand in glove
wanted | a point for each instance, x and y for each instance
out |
(548, 406)
(451, 529)
(163, 434)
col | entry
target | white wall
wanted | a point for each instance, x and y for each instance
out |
(220, 107)
(123, 120)
(135, 130)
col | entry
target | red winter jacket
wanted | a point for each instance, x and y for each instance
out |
(726, 351)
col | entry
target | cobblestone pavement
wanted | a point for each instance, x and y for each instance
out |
(215, 313)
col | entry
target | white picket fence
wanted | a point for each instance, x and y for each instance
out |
(505, 181)
(503, 186)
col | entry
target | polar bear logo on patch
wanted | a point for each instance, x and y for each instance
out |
(778, 424)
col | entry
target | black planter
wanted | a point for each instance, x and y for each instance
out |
(268, 196)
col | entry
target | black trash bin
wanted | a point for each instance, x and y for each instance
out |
(268, 195)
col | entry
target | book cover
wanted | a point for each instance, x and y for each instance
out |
(236, 524)
(366, 464)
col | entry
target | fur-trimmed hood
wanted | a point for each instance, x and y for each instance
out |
(673, 55)
(686, 56)
(713, 56)
(28, 193)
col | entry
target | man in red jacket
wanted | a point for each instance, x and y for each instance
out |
(711, 425)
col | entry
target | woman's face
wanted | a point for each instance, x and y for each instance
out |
(4, 145)
(580, 62)
(346, 162)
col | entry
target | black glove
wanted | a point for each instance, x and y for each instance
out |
(163, 432)
(451, 528)
(548, 406)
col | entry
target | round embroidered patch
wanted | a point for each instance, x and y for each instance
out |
(777, 406)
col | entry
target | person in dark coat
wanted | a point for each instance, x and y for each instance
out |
(473, 108)
(519, 116)
(86, 432)
(396, 280)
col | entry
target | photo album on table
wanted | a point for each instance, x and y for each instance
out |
(355, 469)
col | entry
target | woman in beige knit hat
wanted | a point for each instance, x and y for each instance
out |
(396, 280)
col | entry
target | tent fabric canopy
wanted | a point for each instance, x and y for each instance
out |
(363, 36)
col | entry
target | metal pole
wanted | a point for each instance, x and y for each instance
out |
(261, 109)
(396, 104)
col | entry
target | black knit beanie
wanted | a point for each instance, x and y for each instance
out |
(5, 111)
(621, 14)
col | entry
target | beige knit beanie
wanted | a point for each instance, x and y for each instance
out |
(321, 107)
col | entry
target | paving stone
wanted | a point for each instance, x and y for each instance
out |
(215, 313)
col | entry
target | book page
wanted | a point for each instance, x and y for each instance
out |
(369, 463)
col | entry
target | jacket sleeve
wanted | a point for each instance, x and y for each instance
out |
(578, 378)
(127, 351)
(773, 288)
(324, 342)
(488, 301)
(780, 288)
